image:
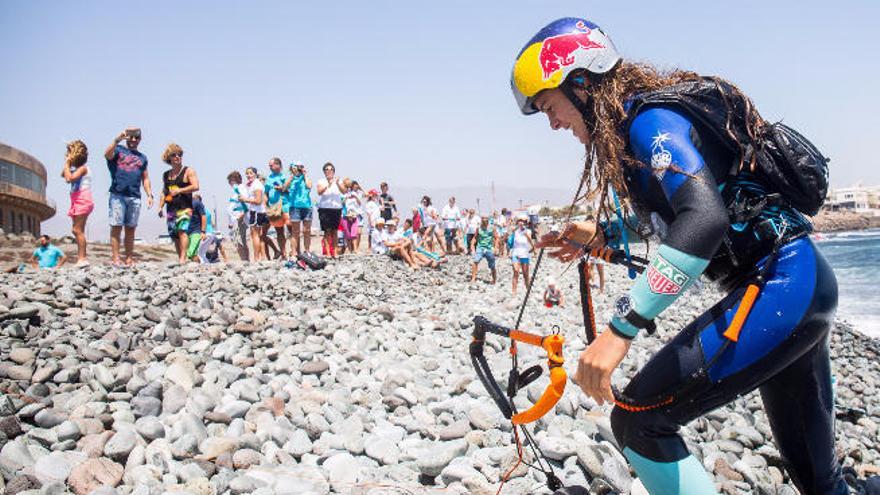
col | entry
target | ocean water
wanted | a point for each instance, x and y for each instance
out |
(855, 257)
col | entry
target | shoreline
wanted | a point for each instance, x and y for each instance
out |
(838, 221)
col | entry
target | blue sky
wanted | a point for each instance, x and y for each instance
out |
(415, 93)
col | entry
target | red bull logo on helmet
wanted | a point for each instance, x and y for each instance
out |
(558, 51)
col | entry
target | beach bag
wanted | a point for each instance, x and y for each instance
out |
(274, 210)
(510, 241)
(312, 260)
(786, 161)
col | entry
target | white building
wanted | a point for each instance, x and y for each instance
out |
(858, 198)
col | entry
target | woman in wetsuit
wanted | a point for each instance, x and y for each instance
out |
(676, 178)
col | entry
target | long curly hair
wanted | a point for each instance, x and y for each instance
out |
(608, 154)
(77, 153)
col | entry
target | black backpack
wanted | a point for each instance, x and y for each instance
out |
(787, 161)
(311, 260)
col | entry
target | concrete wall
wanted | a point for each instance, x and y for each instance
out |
(17, 220)
(22, 209)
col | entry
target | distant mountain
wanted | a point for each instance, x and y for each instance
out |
(467, 196)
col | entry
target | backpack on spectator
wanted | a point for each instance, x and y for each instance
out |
(274, 210)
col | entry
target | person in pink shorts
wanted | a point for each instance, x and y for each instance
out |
(352, 210)
(77, 174)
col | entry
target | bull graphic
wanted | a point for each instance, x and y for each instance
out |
(558, 51)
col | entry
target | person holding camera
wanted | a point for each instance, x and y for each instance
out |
(128, 172)
(299, 194)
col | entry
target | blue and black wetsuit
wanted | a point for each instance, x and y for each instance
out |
(783, 346)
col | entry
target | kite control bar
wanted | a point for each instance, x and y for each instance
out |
(552, 344)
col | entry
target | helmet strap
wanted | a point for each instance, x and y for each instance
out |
(568, 89)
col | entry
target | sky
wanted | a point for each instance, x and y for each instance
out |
(415, 93)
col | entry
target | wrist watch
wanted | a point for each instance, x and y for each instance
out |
(623, 309)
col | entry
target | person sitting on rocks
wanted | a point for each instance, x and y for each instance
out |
(553, 295)
(398, 246)
(47, 255)
(420, 245)
(211, 247)
(423, 260)
(377, 237)
(212, 250)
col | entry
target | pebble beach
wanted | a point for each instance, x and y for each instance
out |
(254, 378)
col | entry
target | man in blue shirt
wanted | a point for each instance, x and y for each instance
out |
(46, 255)
(128, 170)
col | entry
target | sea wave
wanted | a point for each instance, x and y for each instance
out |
(847, 235)
(855, 258)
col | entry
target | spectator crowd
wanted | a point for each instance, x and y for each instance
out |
(270, 213)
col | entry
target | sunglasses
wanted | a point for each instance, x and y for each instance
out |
(177, 155)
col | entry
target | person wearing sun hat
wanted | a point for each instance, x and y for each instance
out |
(377, 237)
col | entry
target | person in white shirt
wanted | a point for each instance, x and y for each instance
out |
(399, 247)
(428, 215)
(520, 252)
(372, 212)
(377, 237)
(450, 214)
(330, 191)
(252, 196)
(237, 213)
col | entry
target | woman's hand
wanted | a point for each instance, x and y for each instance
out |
(575, 236)
(596, 364)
